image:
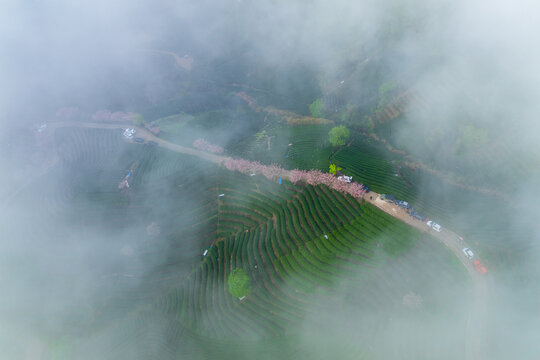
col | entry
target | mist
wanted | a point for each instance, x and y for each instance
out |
(84, 269)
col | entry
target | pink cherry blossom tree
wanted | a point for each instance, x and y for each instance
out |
(204, 145)
(311, 177)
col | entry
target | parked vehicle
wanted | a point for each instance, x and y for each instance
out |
(345, 178)
(432, 224)
(468, 253)
(152, 142)
(139, 140)
(128, 133)
(388, 198)
(403, 204)
(481, 268)
(418, 216)
(365, 188)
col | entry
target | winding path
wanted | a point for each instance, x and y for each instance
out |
(447, 237)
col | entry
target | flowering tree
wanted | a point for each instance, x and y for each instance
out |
(202, 144)
(311, 177)
(296, 176)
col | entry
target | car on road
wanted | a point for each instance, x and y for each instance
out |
(388, 198)
(365, 188)
(128, 133)
(139, 140)
(152, 142)
(344, 178)
(432, 224)
(417, 215)
(468, 253)
(403, 204)
(481, 268)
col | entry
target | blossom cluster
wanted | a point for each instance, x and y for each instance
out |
(106, 115)
(254, 167)
(316, 177)
(202, 144)
(312, 177)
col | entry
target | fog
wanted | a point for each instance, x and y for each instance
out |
(473, 64)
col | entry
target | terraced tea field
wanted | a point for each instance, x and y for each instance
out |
(309, 251)
(292, 147)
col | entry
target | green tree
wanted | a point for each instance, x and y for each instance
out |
(333, 169)
(239, 283)
(138, 119)
(338, 135)
(260, 135)
(316, 108)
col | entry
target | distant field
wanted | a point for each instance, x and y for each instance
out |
(309, 147)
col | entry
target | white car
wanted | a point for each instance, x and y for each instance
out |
(128, 133)
(434, 225)
(468, 253)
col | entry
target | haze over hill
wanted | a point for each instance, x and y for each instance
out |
(441, 99)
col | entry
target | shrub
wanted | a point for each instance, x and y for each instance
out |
(338, 135)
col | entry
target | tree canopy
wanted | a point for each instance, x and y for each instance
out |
(239, 283)
(338, 135)
(317, 108)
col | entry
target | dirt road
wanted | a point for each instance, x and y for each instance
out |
(147, 136)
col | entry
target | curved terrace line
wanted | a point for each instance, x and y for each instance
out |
(447, 237)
